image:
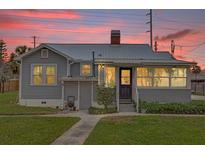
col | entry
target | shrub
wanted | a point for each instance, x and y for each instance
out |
(174, 108)
(105, 96)
(94, 110)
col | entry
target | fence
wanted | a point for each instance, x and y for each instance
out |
(10, 85)
(198, 87)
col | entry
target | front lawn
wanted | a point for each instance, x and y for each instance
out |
(33, 130)
(149, 130)
(9, 106)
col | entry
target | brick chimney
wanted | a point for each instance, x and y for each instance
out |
(115, 36)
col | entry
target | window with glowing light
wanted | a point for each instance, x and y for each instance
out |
(44, 74)
(161, 77)
(86, 70)
(110, 77)
(178, 77)
(144, 77)
(37, 75)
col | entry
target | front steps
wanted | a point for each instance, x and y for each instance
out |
(126, 106)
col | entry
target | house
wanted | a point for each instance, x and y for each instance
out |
(52, 72)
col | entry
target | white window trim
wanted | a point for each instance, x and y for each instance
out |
(44, 74)
(165, 87)
(42, 50)
(91, 67)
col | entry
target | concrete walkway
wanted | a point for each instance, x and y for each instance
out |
(79, 132)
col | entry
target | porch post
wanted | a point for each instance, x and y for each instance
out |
(78, 102)
(62, 103)
(117, 87)
(134, 83)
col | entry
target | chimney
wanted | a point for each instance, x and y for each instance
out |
(115, 36)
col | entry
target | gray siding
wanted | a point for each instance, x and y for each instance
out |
(75, 70)
(42, 92)
(85, 95)
(165, 95)
(70, 89)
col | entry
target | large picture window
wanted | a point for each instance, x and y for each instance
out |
(110, 76)
(161, 77)
(44, 74)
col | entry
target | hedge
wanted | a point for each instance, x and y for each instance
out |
(173, 108)
(94, 110)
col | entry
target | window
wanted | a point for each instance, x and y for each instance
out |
(85, 70)
(125, 77)
(45, 74)
(110, 76)
(144, 77)
(178, 77)
(38, 75)
(44, 53)
(161, 77)
(50, 75)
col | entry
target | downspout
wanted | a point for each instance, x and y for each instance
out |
(93, 53)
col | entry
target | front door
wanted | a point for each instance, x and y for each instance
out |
(125, 83)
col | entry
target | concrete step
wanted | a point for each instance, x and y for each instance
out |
(126, 101)
(127, 108)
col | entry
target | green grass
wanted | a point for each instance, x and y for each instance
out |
(8, 106)
(33, 130)
(149, 130)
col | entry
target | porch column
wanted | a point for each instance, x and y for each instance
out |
(68, 68)
(78, 102)
(62, 103)
(117, 87)
(134, 83)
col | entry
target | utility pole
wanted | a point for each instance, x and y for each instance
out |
(34, 41)
(150, 24)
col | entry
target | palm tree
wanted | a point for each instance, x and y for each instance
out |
(22, 49)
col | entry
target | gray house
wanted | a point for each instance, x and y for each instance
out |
(50, 73)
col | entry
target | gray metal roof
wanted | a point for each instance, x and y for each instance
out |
(122, 53)
(105, 51)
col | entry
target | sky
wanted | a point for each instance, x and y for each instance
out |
(185, 27)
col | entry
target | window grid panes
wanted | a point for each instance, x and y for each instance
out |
(44, 75)
(161, 77)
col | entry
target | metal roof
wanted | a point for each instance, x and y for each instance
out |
(105, 51)
(119, 53)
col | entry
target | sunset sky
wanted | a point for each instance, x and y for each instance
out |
(186, 27)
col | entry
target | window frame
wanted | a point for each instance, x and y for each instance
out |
(170, 78)
(44, 74)
(44, 50)
(186, 78)
(91, 69)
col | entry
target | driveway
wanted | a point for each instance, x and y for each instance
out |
(197, 97)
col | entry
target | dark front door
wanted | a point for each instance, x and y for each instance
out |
(125, 83)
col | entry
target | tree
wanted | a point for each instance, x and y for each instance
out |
(21, 50)
(196, 70)
(105, 96)
(3, 51)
